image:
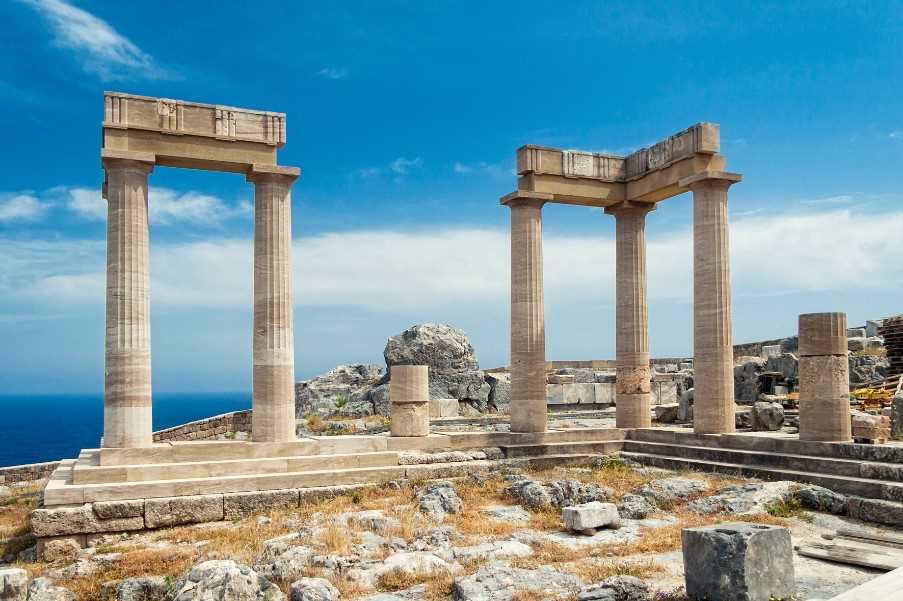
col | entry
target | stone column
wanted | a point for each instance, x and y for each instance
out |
(273, 401)
(528, 338)
(713, 353)
(824, 378)
(127, 372)
(409, 398)
(632, 393)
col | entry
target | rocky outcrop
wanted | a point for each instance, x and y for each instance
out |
(560, 493)
(746, 378)
(867, 368)
(439, 499)
(499, 582)
(746, 499)
(343, 389)
(225, 580)
(454, 370)
(767, 417)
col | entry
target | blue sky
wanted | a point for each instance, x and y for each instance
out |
(404, 117)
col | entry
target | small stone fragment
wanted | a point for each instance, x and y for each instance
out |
(313, 589)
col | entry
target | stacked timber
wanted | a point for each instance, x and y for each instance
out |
(892, 332)
(877, 551)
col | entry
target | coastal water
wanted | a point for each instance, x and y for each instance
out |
(51, 427)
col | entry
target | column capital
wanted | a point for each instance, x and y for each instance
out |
(709, 178)
(264, 173)
(124, 159)
(629, 207)
(525, 197)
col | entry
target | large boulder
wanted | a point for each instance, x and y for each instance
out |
(788, 364)
(867, 368)
(454, 370)
(560, 493)
(313, 589)
(746, 378)
(439, 499)
(767, 417)
(746, 499)
(342, 389)
(225, 580)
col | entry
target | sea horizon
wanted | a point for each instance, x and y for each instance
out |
(39, 427)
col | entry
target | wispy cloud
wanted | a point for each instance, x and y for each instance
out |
(21, 207)
(101, 49)
(329, 270)
(896, 135)
(333, 73)
(493, 169)
(403, 166)
(165, 206)
(840, 199)
(399, 167)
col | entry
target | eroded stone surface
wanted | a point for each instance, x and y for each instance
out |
(499, 582)
(439, 499)
(59, 521)
(172, 511)
(225, 580)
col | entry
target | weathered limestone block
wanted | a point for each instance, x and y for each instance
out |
(108, 510)
(61, 521)
(767, 417)
(604, 392)
(589, 516)
(667, 413)
(443, 408)
(581, 393)
(313, 589)
(562, 379)
(823, 334)
(410, 419)
(242, 504)
(42, 589)
(824, 398)
(555, 394)
(872, 427)
(65, 549)
(172, 511)
(13, 584)
(738, 562)
(896, 418)
(633, 380)
(409, 395)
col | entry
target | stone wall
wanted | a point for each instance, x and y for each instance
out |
(27, 473)
(209, 428)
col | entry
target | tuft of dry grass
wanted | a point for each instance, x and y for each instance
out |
(526, 595)
(598, 571)
(335, 539)
(438, 584)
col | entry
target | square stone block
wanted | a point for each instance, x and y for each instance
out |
(738, 561)
(443, 408)
(605, 392)
(555, 394)
(172, 511)
(589, 516)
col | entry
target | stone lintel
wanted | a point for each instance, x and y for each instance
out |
(525, 195)
(724, 176)
(258, 171)
(127, 155)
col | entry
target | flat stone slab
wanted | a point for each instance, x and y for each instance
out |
(586, 517)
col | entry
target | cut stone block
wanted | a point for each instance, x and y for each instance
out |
(823, 334)
(589, 516)
(61, 521)
(443, 408)
(555, 394)
(584, 393)
(605, 392)
(242, 504)
(738, 562)
(666, 413)
(65, 549)
(410, 419)
(108, 510)
(172, 511)
(13, 584)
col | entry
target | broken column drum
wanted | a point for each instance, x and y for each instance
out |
(824, 378)
(409, 396)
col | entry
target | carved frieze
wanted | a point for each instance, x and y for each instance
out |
(172, 115)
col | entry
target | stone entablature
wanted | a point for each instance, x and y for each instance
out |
(181, 117)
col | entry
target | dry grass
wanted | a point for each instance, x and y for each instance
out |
(526, 595)
(335, 539)
(598, 571)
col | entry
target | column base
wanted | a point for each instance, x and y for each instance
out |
(633, 410)
(410, 419)
(529, 415)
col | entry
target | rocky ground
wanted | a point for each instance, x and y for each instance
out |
(474, 539)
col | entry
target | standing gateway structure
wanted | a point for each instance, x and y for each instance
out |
(140, 133)
(627, 188)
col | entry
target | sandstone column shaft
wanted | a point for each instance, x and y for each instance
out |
(273, 415)
(713, 352)
(127, 373)
(528, 343)
(632, 393)
(824, 378)
(409, 396)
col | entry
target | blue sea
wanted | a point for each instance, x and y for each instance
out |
(51, 427)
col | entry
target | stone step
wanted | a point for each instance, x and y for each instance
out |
(562, 448)
(804, 463)
(472, 440)
(85, 473)
(772, 442)
(59, 491)
(861, 487)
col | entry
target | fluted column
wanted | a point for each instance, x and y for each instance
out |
(273, 400)
(632, 392)
(528, 341)
(713, 356)
(127, 362)
(824, 378)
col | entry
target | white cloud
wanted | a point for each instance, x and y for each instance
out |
(494, 169)
(403, 166)
(400, 167)
(102, 50)
(841, 199)
(166, 206)
(21, 207)
(333, 73)
(449, 269)
(896, 135)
